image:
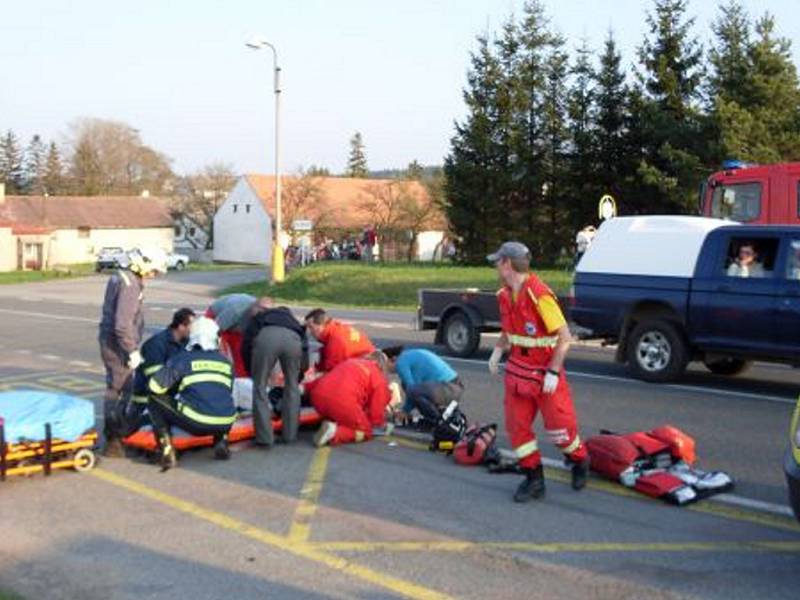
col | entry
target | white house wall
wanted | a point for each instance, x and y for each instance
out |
(242, 228)
(67, 246)
(8, 250)
(428, 244)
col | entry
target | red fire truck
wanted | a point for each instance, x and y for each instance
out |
(755, 194)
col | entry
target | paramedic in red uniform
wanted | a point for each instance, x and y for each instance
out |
(339, 341)
(352, 399)
(537, 338)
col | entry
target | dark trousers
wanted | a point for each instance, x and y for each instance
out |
(164, 414)
(431, 398)
(273, 345)
(119, 387)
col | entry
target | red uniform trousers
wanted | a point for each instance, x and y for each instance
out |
(230, 344)
(523, 400)
(354, 396)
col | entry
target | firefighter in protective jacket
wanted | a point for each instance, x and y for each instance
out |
(193, 391)
(537, 337)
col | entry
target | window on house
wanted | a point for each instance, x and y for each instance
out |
(83, 232)
(235, 208)
(247, 209)
(177, 229)
(192, 230)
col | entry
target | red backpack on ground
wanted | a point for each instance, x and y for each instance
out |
(472, 448)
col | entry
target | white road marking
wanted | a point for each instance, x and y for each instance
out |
(80, 363)
(25, 313)
(672, 386)
(23, 351)
(730, 499)
(49, 357)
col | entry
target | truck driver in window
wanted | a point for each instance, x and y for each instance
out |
(746, 263)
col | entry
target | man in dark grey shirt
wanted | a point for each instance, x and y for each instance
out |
(121, 330)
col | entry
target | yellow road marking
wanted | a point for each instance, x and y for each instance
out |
(24, 376)
(301, 549)
(554, 547)
(400, 441)
(300, 529)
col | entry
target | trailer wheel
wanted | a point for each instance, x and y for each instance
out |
(84, 460)
(656, 351)
(460, 335)
(728, 366)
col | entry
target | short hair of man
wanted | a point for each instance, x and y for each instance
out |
(182, 316)
(318, 316)
(392, 352)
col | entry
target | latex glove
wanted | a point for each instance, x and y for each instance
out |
(134, 360)
(550, 383)
(494, 360)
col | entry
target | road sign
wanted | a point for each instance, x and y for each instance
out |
(302, 225)
(607, 208)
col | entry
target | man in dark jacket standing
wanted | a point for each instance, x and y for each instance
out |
(272, 335)
(121, 329)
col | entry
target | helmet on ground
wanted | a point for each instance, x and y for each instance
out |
(204, 332)
(148, 259)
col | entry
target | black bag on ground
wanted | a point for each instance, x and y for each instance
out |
(449, 430)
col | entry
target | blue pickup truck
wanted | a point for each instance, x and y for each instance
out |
(670, 290)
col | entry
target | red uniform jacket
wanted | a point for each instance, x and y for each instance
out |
(354, 382)
(340, 342)
(531, 320)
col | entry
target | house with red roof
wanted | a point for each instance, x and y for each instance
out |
(41, 232)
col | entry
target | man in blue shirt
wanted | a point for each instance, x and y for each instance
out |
(429, 382)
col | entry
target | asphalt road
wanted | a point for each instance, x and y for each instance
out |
(388, 519)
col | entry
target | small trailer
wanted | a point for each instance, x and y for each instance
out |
(458, 316)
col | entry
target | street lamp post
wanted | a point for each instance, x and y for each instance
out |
(259, 43)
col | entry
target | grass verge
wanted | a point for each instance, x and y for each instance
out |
(80, 270)
(385, 286)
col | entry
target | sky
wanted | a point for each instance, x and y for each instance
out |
(180, 73)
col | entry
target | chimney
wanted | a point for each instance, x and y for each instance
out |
(2, 193)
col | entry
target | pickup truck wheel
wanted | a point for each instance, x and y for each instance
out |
(728, 366)
(460, 336)
(656, 351)
(180, 266)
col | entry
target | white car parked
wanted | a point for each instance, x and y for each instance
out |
(177, 261)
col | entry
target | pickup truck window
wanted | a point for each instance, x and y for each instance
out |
(747, 257)
(738, 202)
(793, 260)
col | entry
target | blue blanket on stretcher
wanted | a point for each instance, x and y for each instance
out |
(25, 414)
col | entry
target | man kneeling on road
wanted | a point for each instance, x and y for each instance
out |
(430, 384)
(193, 391)
(352, 399)
(537, 335)
(339, 341)
(156, 351)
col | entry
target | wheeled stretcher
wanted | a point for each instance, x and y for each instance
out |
(41, 432)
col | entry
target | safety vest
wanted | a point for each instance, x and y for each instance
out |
(531, 344)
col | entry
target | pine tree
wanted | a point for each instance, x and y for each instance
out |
(583, 181)
(11, 169)
(414, 170)
(555, 156)
(35, 157)
(473, 189)
(670, 117)
(53, 178)
(357, 161)
(612, 143)
(729, 57)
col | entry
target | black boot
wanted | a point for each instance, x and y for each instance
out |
(166, 452)
(111, 428)
(221, 449)
(580, 472)
(532, 487)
